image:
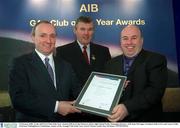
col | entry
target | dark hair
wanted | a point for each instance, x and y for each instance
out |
(84, 19)
(35, 26)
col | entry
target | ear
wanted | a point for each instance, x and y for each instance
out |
(120, 43)
(142, 40)
(33, 38)
(120, 46)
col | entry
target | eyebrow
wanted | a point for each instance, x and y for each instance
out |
(124, 36)
(130, 36)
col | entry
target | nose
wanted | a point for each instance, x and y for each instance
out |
(48, 39)
(129, 41)
(86, 32)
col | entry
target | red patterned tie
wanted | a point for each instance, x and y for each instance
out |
(85, 54)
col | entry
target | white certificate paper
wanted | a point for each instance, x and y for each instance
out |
(100, 93)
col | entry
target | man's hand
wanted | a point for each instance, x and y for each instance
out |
(66, 107)
(119, 113)
(126, 83)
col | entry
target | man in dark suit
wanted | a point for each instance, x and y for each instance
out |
(40, 85)
(146, 79)
(84, 55)
(97, 55)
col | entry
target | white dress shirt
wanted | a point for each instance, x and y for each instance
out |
(51, 62)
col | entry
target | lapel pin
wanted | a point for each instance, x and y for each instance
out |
(93, 57)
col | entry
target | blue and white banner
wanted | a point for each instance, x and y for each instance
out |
(155, 18)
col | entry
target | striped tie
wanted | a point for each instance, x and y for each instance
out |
(49, 68)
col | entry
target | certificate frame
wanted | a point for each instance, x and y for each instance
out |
(114, 102)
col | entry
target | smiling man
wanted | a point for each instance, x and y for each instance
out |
(40, 85)
(131, 41)
(146, 79)
(84, 55)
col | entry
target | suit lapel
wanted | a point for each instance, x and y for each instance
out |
(40, 67)
(92, 54)
(59, 74)
(120, 65)
(138, 60)
(116, 66)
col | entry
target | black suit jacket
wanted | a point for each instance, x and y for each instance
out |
(72, 53)
(148, 79)
(32, 91)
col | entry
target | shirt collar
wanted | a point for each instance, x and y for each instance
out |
(129, 58)
(42, 56)
(81, 46)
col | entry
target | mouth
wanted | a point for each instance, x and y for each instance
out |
(130, 47)
(86, 38)
(48, 46)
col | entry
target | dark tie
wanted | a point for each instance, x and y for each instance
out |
(49, 68)
(85, 54)
(127, 66)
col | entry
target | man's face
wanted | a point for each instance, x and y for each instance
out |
(131, 41)
(45, 38)
(84, 32)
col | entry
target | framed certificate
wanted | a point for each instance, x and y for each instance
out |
(101, 93)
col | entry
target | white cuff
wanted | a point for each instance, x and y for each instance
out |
(56, 107)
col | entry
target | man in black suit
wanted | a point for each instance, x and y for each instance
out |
(146, 79)
(97, 55)
(40, 85)
(84, 55)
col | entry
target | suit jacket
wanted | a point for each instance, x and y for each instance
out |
(148, 79)
(72, 53)
(32, 91)
(99, 55)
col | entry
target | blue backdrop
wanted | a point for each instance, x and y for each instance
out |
(155, 17)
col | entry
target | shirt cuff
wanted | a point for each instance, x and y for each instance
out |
(56, 107)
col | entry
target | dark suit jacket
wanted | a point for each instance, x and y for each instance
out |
(72, 53)
(148, 76)
(32, 91)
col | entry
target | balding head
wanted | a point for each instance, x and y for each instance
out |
(131, 40)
